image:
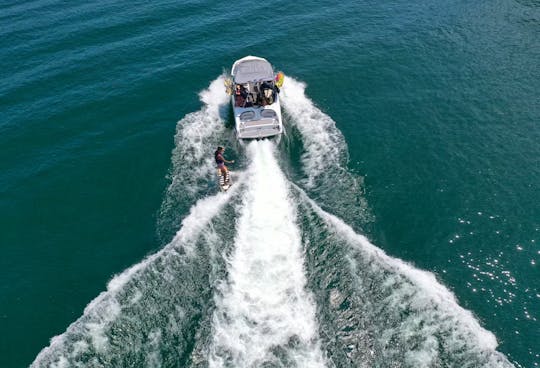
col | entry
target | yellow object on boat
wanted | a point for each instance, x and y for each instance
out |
(280, 77)
(228, 86)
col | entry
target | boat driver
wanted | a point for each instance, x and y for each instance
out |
(220, 161)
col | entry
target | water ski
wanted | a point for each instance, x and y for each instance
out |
(224, 181)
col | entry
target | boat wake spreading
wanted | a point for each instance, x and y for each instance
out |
(324, 157)
(264, 274)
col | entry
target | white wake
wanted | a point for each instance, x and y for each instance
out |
(324, 143)
(325, 156)
(264, 314)
(197, 135)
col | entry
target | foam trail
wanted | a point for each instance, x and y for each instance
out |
(90, 335)
(324, 144)
(325, 157)
(192, 161)
(379, 311)
(264, 315)
(197, 130)
(415, 318)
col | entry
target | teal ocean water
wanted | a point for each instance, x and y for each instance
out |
(396, 224)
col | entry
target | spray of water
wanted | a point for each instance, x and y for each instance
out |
(264, 314)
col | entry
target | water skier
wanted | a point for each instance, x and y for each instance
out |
(220, 161)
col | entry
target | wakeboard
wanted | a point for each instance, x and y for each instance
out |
(224, 181)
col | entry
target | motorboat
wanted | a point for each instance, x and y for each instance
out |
(254, 90)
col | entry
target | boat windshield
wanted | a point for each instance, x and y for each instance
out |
(252, 70)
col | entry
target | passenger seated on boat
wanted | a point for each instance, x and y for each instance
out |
(249, 101)
(267, 94)
(256, 99)
(240, 95)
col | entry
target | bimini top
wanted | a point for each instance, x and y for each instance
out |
(252, 68)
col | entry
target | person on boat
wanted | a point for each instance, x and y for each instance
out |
(240, 95)
(268, 93)
(220, 161)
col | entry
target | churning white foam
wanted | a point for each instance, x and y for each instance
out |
(325, 157)
(324, 144)
(197, 135)
(263, 312)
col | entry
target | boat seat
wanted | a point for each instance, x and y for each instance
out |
(267, 113)
(247, 115)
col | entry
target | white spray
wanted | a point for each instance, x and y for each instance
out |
(324, 144)
(197, 134)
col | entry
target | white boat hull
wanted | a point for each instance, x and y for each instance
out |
(255, 116)
(258, 122)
